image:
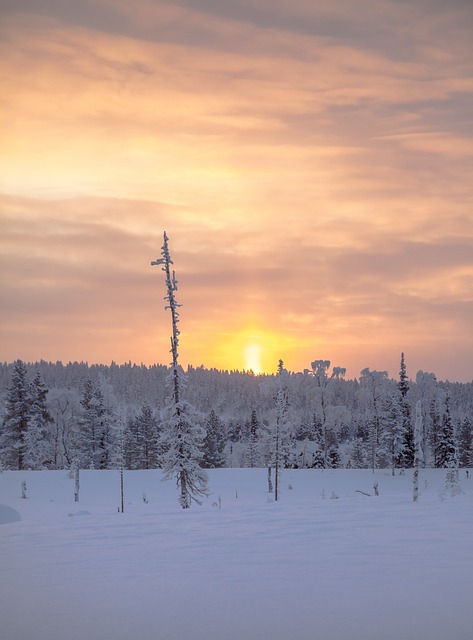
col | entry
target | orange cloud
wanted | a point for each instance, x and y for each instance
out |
(311, 165)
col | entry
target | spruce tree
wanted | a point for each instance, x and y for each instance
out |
(16, 420)
(214, 443)
(252, 457)
(38, 449)
(403, 384)
(358, 460)
(465, 442)
(446, 451)
(418, 432)
(183, 436)
(91, 422)
(435, 415)
(393, 431)
(147, 437)
(279, 445)
(407, 450)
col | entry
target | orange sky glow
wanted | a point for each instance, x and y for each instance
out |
(312, 165)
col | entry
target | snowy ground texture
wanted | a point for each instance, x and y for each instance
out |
(310, 566)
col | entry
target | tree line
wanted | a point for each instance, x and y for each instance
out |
(112, 416)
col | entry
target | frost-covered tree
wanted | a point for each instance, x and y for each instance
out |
(214, 442)
(418, 431)
(428, 392)
(142, 448)
(252, 455)
(373, 392)
(323, 426)
(446, 451)
(100, 435)
(392, 437)
(465, 442)
(357, 457)
(16, 420)
(279, 444)
(407, 450)
(38, 449)
(90, 422)
(65, 408)
(183, 436)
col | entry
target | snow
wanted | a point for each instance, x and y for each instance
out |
(8, 514)
(359, 567)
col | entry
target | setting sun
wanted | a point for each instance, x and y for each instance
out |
(253, 358)
(253, 347)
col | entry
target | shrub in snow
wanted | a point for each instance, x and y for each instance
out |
(452, 482)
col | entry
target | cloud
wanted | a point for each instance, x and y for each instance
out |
(311, 164)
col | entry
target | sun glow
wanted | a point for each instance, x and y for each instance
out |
(252, 348)
(253, 358)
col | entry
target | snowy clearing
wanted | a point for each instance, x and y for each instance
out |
(326, 561)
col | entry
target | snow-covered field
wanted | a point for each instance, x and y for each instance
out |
(309, 566)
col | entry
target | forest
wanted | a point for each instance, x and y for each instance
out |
(53, 415)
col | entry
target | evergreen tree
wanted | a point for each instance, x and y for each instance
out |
(427, 390)
(323, 382)
(357, 458)
(252, 457)
(130, 445)
(407, 450)
(434, 436)
(38, 450)
(403, 384)
(279, 445)
(91, 423)
(16, 420)
(333, 458)
(418, 450)
(183, 438)
(393, 437)
(446, 452)
(111, 427)
(214, 443)
(465, 442)
(373, 389)
(146, 439)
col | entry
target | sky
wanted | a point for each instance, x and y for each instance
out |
(310, 160)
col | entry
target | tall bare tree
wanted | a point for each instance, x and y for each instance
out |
(183, 436)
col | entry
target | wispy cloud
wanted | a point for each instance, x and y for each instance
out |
(311, 163)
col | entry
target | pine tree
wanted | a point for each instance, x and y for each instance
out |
(16, 420)
(183, 439)
(374, 388)
(358, 460)
(112, 429)
(91, 423)
(403, 384)
(407, 451)
(333, 458)
(279, 445)
(148, 437)
(393, 432)
(214, 443)
(434, 436)
(252, 457)
(418, 437)
(142, 441)
(38, 450)
(446, 452)
(465, 442)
